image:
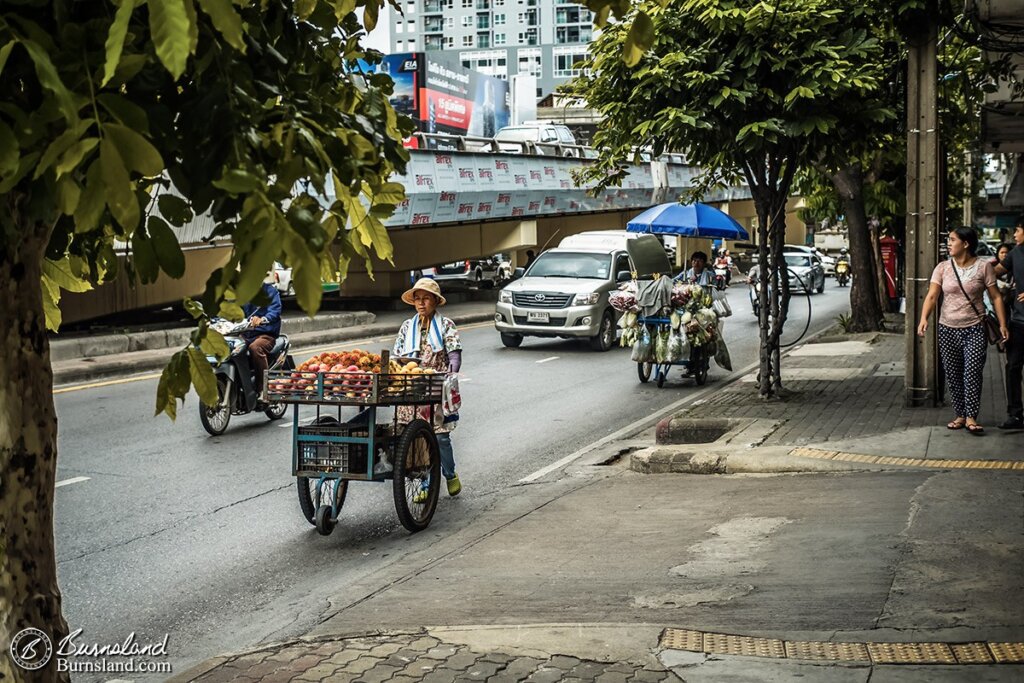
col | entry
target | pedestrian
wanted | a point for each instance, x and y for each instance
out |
(962, 281)
(530, 258)
(697, 273)
(434, 341)
(1012, 266)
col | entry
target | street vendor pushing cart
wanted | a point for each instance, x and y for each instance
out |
(434, 341)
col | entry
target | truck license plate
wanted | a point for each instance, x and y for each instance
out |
(538, 316)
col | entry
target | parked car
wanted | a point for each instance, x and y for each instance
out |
(283, 279)
(526, 137)
(827, 262)
(486, 273)
(565, 291)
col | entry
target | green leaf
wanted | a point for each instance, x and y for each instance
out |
(226, 20)
(202, 376)
(638, 40)
(125, 111)
(60, 145)
(169, 25)
(194, 308)
(231, 311)
(373, 232)
(165, 244)
(9, 150)
(115, 39)
(306, 277)
(390, 193)
(5, 52)
(342, 8)
(147, 264)
(92, 200)
(137, 152)
(304, 8)
(174, 383)
(70, 160)
(60, 273)
(213, 343)
(238, 181)
(120, 193)
(175, 209)
(68, 195)
(51, 309)
(370, 14)
(49, 79)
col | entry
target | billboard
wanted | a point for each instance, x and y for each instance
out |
(442, 96)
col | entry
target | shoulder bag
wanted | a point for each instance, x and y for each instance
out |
(993, 335)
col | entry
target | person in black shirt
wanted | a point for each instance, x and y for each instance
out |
(1013, 264)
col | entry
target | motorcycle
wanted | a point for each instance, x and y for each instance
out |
(842, 273)
(721, 278)
(237, 393)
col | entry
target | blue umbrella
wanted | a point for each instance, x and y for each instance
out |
(688, 220)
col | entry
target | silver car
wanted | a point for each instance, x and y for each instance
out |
(806, 273)
(564, 294)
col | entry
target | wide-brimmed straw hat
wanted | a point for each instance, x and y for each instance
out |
(427, 285)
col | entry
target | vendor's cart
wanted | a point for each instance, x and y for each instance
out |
(329, 452)
(697, 364)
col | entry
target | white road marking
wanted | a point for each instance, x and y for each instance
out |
(72, 480)
(547, 360)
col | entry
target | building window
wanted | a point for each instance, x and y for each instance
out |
(467, 4)
(449, 42)
(565, 61)
(499, 38)
(499, 19)
(449, 22)
(400, 27)
(529, 62)
(412, 45)
(467, 41)
(499, 3)
(410, 7)
(467, 21)
(399, 45)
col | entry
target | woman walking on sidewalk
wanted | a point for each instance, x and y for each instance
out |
(434, 340)
(962, 282)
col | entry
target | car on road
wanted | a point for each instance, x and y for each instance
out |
(806, 272)
(526, 137)
(484, 273)
(282, 276)
(565, 291)
(827, 262)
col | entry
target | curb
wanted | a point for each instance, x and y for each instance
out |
(119, 365)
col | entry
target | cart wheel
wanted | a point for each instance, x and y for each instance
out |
(661, 375)
(643, 370)
(702, 376)
(324, 524)
(311, 500)
(276, 411)
(417, 461)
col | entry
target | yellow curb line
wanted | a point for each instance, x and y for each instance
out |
(864, 653)
(821, 454)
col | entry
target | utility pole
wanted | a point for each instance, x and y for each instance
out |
(924, 213)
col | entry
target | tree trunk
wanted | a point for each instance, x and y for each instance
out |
(881, 286)
(781, 294)
(29, 596)
(866, 315)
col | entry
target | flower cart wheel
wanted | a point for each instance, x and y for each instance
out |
(701, 376)
(643, 371)
(417, 461)
(312, 495)
(660, 374)
(324, 524)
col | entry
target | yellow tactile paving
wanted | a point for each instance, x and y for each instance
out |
(833, 652)
(1008, 653)
(821, 454)
(911, 653)
(725, 644)
(877, 653)
(972, 653)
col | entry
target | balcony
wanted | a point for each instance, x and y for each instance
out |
(433, 25)
(433, 7)
(483, 23)
(483, 4)
(483, 40)
(433, 43)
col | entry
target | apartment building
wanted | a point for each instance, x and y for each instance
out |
(502, 38)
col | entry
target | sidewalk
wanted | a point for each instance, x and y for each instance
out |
(875, 570)
(80, 362)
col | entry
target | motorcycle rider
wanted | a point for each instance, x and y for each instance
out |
(844, 258)
(265, 328)
(724, 261)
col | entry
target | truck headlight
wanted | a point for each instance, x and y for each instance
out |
(587, 299)
(505, 296)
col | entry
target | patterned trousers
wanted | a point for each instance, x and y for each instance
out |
(963, 351)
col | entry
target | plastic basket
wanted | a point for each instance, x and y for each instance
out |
(327, 455)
